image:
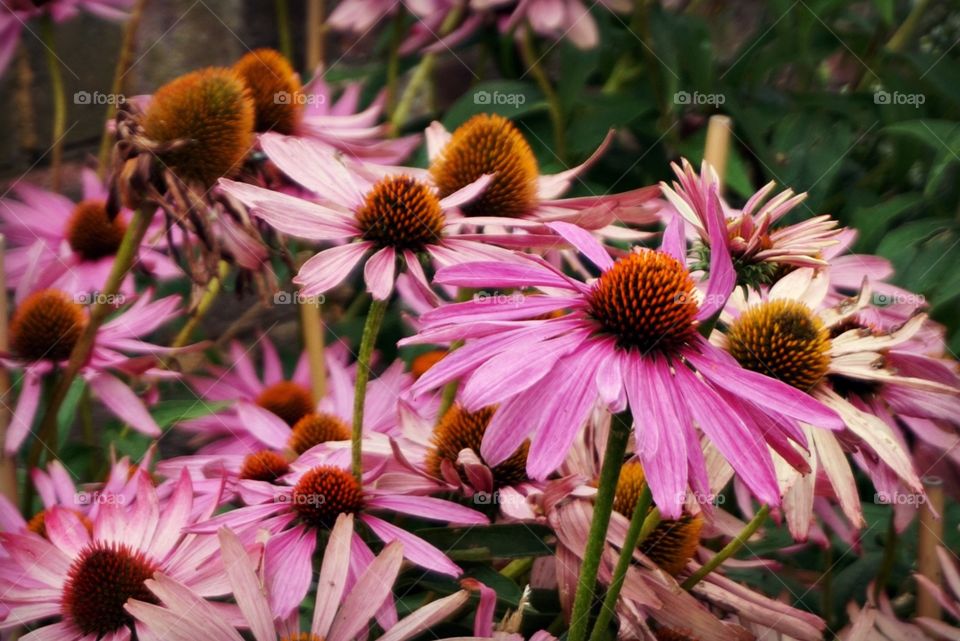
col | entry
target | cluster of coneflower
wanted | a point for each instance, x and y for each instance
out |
(637, 381)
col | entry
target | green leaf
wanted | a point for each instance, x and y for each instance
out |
(509, 98)
(166, 413)
(494, 541)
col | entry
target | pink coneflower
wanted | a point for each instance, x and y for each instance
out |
(790, 335)
(759, 248)
(629, 338)
(309, 500)
(343, 608)
(71, 246)
(14, 15)
(396, 217)
(288, 398)
(518, 194)
(57, 490)
(285, 107)
(46, 325)
(75, 582)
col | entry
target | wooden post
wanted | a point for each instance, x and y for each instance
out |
(930, 535)
(315, 31)
(311, 322)
(717, 148)
(8, 471)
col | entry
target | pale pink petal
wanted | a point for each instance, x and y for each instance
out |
(246, 587)
(379, 272)
(24, 414)
(427, 616)
(429, 508)
(287, 578)
(124, 403)
(330, 267)
(585, 243)
(373, 587)
(264, 425)
(415, 549)
(333, 575)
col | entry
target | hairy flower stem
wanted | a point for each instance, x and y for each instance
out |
(729, 549)
(370, 330)
(59, 102)
(123, 262)
(602, 509)
(633, 538)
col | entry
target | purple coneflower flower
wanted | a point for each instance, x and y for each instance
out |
(630, 338)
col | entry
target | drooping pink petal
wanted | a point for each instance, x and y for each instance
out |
(333, 576)
(286, 576)
(585, 243)
(123, 402)
(330, 267)
(372, 589)
(429, 508)
(744, 449)
(379, 272)
(246, 587)
(415, 549)
(24, 414)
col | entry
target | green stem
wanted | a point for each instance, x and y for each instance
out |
(370, 330)
(59, 101)
(889, 556)
(517, 568)
(602, 508)
(633, 538)
(421, 73)
(283, 28)
(729, 549)
(124, 60)
(393, 61)
(123, 262)
(532, 61)
(206, 302)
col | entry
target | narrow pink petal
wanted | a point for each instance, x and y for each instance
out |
(286, 576)
(490, 274)
(429, 508)
(246, 587)
(24, 414)
(415, 549)
(333, 576)
(661, 424)
(264, 425)
(675, 240)
(723, 277)
(66, 531)
(292, 215)
(721, 370)
(177, 510)
(379, 272)
(124, 403)
(743, 448)
(585, 243)
(465, 194)
(372, 589)
(330, 267)
(427, 616)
